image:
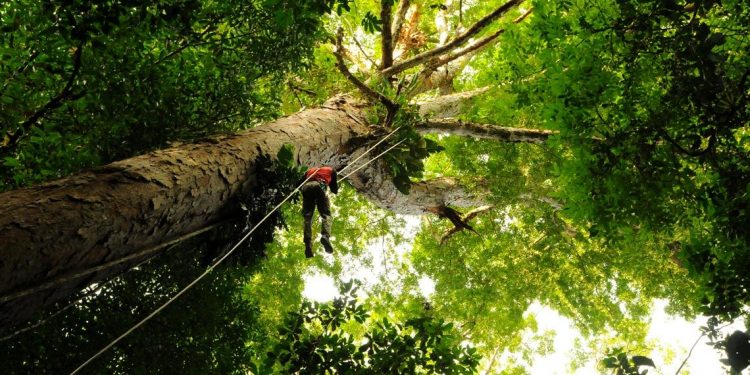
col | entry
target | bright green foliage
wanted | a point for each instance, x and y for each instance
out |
(650, 98)
(316, 340)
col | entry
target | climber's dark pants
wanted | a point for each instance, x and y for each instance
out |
(313, 195)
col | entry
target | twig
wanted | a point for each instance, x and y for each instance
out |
(693, 347)
(364, 53)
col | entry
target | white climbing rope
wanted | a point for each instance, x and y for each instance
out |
(367, 151)
(216, 264)
(373, 159)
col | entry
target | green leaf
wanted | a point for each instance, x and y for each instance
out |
(402, 183)
(11, 162)
(285, 156)
(640, 360)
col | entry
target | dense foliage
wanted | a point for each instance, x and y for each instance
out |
(663, 85)
(88, 82)
(315, 340)
(642, 193)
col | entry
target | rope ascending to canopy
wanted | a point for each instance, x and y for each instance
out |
(220, 260)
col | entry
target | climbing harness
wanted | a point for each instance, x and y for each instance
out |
(228, 253)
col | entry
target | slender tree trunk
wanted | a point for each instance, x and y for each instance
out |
(55, 230)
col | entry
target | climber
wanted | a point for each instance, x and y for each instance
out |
(314, 194)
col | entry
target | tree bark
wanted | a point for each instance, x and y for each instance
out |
(54, 236)
(447, 106)
(498, 133)
(66, 226)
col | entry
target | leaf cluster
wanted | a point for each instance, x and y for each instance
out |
(316, 340)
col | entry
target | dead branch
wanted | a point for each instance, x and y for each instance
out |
(453, 44)
(398, 19)
(469, 216)
(454, 216)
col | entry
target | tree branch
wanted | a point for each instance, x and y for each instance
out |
(65, 94)
(469, 216)
(477, 46)
(459, 40)
(398, 20)
(440, 72)
(484, 131)
(387, 36)
(449, 105)
(363, 88)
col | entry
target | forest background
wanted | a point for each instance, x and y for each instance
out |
(629, 185)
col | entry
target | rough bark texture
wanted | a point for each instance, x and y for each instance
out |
(449, 105)
(498, 133)
(374, 184)
(60, 228)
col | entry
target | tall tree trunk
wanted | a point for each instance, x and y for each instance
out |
(65, 227)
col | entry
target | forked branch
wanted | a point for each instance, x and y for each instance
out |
(453, 44)
(469, 216)
(477, 46)
(361, 86)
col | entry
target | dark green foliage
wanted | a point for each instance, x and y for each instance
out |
(407, 159)
(621, 364)
(204, 331)
(90, 82)
(371, 24)
(277, 179)
(315, 340)
(737, 346)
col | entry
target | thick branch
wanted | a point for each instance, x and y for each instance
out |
(479, 45)
(387, 38)
(498, 133)
(374, 183)
(398, 20)
(363, 88)
(448, 105)
(87, 227)
(453, 44)
(440, 72)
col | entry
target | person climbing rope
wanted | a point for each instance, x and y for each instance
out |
(314, 195)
